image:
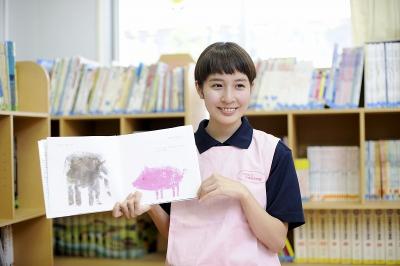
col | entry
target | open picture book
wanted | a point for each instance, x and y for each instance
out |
(90, 174)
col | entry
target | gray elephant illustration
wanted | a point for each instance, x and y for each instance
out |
(85, 170)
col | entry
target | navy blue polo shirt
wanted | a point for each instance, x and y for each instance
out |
(282, 187)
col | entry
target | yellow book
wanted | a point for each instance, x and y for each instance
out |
(322, 85)
(289, 248)
(302, 166)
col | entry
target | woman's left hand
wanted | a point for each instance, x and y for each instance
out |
(220, 185)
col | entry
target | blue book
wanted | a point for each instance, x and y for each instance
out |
(12, 74)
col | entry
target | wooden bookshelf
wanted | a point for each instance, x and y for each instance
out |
(334, 127)
(156, 259)
(19, 132)
(107, 125)
(31, 123)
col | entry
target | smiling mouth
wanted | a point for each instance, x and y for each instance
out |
(227, 110)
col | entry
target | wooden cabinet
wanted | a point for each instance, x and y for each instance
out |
(20, 178)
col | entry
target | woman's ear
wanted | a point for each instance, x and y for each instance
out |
(199, 90)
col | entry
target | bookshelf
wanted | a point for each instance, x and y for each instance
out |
(335, 127)
(31, 123)
(328, 127)
(19, 132)
(107, 125)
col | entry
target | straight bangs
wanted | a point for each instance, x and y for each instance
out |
(224, 58)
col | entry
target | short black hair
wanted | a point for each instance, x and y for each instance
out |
(223, 57)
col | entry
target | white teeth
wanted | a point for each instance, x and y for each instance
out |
(228, 109)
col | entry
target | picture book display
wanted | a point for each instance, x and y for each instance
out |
(90, 174)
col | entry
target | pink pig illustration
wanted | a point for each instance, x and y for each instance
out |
(160, 178)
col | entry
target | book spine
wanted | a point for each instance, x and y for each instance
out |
(368, 238)
(379, 237)
(334, 236)
(390, 238)
(12, 74)
(356, 222)
(300, 244)
(345, 238)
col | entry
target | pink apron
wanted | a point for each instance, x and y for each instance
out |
(216, 232)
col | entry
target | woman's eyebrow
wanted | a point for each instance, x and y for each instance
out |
(215, 79)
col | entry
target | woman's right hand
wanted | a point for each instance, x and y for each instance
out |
(130, 207)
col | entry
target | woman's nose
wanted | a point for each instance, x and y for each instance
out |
(227, 95)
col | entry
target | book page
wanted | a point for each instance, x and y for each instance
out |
(42, 145)
(83, 175)
(162, 164)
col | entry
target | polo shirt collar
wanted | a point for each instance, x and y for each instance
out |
(240, 139)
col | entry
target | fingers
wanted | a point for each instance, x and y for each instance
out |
(116, 212)
(125, 208)
(130, 207)
(208, 195)
(207, 188)
(139, 207)
(137, 197)
(209, 180)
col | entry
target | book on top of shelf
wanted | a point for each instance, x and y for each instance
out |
(79, 86)
(382, 74)
(81, 176)
(282, 83)
(344, 86)
(8, 77)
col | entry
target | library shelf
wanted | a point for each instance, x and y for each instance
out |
(367, 205)
(326, 264)
(302, 128)
(153, 259)
(117, 116)
(23, 114)
(23, 214)
(20, 178)
(156, 260)
(118, 124)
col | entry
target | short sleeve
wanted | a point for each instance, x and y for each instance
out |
(282, 186)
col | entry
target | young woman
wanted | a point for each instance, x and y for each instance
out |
(249, 197)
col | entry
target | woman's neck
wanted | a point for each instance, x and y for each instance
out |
(221, 132)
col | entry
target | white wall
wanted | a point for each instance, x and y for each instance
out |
(57, 28)
(3, 20)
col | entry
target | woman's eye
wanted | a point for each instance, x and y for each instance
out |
(216, 85)
(240, 86)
